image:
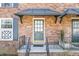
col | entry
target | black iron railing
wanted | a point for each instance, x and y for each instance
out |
(47, 47)
(21, 41)
(28, 46)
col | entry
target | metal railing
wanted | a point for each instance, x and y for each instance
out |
(47, 47)
(28, 43)
(21, 41)
(28, 46)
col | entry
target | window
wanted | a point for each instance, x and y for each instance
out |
(6, 24)
(6, 5)
(0, 4)
(6, 28)
(10, 5)
(75, 31)
(39, 25)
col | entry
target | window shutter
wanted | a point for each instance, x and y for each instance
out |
(15, 29)
(15, 5)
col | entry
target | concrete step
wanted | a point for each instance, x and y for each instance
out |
(38, 54)
(22, 51)
(38, 51)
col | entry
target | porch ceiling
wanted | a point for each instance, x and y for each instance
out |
(38, 11)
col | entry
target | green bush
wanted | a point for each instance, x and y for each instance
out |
(8, 55)
(62, 35)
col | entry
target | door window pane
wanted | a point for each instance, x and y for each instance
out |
(38, 25)
(36, 22)
(36, 29)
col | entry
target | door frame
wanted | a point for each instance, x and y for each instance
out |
(33, 30)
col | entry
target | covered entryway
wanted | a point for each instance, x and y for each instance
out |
(38, 22)
(39, 19)
(70, 19)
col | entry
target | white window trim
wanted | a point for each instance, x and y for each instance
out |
(6, 29)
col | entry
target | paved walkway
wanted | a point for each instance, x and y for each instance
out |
(52, 48)
(55, 48)
(41, 50)
(38, 49)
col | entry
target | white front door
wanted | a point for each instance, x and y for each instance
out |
(38, 31)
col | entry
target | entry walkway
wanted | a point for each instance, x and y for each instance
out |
(55, 48)
(39, 50)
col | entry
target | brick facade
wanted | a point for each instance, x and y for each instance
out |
(52, 29)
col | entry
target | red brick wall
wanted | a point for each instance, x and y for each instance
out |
(8, 12)
(67, 26)
(51, 28)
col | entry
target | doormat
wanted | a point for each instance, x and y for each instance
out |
(38, 45)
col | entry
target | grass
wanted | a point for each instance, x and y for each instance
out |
(8, 55)
(6, 52)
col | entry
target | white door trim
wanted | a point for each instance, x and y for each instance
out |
(33, 31)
